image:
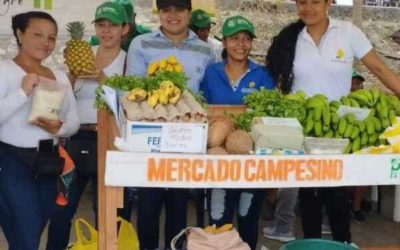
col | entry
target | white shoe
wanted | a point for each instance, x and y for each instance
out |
(326, 229)
(353, 245)
(271, 233)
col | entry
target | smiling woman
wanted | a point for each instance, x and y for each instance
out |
(28, 196)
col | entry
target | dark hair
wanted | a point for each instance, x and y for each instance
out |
(21, 21)
(280, 56)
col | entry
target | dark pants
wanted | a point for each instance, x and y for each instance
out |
(27, 201)
(248, 202)
(336, 201)
(61, 220)
(149, 210)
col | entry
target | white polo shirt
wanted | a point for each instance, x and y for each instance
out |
(327, 68)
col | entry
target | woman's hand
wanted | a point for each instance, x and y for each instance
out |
(97, 75)
(29, 82)
(51, 126)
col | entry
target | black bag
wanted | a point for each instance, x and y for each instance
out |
(48, 164)
(84, 154)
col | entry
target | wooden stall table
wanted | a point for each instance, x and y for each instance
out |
(120, 172)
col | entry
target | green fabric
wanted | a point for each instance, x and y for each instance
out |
(128, 6)
(356, 74)
(315, 244)
(200, 19)
(235, 24)
(139, 30)
(111, 11)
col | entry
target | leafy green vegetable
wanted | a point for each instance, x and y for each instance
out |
(273, 103)
(243, 120)
(153, 82)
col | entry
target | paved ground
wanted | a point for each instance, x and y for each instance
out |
(378, 231)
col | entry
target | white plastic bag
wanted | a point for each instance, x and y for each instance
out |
(47, 98)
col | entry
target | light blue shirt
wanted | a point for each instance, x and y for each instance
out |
(194, 55)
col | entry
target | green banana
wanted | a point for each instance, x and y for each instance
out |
(372, 138)
(349, 130)
(364, 138)
(385, 123)
(309, 126)
(370, 126)
(356, 145)
(392, 116)
(351, 118)
(363, 96)
(326, 116)
(334, 118)
(361, 126)
(329, 134)
(345, 101)
(315, 102)
(377, 124)
(353, 103)
(342, 125)
(317, 113)
(347, 150)
(318, 128)
(375, 92)
(355, 133)
(335, 104)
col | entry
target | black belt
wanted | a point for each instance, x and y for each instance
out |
(88, 127)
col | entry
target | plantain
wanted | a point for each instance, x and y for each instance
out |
(356, 144)
(172, 60)
(175, 95)
(349, 130)
(137, 95)
(342, 125)
(224, 228)
(152, 68)
(153, 98)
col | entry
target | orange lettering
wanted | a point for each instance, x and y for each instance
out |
(154, 172)
(196, 175)
(249, 165)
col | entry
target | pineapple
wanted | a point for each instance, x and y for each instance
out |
(78, 54)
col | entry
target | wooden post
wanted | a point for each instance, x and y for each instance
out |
(109, 198)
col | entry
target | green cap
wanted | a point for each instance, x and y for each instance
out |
(235, 24)
(111, 11)
(200, 19)
(356, 74)
(128, 6)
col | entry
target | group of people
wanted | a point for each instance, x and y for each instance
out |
(314, 54)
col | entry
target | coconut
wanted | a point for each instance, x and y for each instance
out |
(217, 151)
(239, 142)
(218, 131)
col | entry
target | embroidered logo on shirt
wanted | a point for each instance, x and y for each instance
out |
(252, 85)
(340, 54)
(250, 89)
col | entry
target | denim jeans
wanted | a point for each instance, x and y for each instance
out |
(336, 201)
(284, 210)
(148, 215)
(27, 200)
(223, 203)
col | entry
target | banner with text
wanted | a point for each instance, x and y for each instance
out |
(239, 171)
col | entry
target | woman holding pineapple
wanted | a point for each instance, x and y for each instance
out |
(28, 197)
(111, 24)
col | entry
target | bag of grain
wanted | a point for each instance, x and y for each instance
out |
(47, 98)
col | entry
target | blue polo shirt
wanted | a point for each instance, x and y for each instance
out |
(194, 55)
(217, 89)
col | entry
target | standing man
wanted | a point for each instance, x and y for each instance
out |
(134, 28)
(173, 38)
(200, 23)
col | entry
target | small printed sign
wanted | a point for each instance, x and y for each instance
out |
(188, 138)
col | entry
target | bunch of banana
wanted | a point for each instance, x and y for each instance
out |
(137, 95)
(214, 230)
(167, 93)
(318, 119)
(169, 64)
(323, 121)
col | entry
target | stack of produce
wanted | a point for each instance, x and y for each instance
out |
(169, 64)
(160, 97)
(78, 54)
(272, 103)
(323, 120)
(224, 138)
